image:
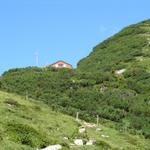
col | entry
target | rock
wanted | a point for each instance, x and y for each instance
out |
(78, 142)
(53, 147)
(98, 129)
(73, 81)
(81, 130)
(119, 72)
(103, 88)
(65, 138)
(90, 142)
(104, 136)
(89, 125)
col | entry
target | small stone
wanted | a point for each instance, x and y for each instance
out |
(53, 147)
(119, 72)
(89, 125)
(81, 130)
(90, 142)
(78, 142)
(104, 136)
(65, 138)
(98, 129)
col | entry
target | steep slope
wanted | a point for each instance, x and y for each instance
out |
(28, 124)
(126, 58)
(126, 49)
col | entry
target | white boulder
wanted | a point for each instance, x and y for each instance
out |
(98, 129)
(65, 138)
(89, 125)
(104, 136)
(81, 130)
(78, 142)
(53, 147)
(90, 142)
(119, 72)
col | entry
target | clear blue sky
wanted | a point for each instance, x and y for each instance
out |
(61, 29)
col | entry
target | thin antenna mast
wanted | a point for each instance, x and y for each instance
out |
(37, 58)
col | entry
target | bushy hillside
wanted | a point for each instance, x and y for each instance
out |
(112, 82)
(126, 55)
(128, 49)
(68, 91)
(28, 124)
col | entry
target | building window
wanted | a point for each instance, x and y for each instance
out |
(60, 65)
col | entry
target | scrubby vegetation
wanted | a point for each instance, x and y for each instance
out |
(95, 88)
(128, 92)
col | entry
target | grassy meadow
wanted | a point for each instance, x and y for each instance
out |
(29, 124)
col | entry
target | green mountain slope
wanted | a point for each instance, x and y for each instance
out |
(128, 48)
(28, 124)
(126, 58)
(113, 82)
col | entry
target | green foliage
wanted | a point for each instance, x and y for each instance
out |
(12, 102)
(131, 94)
(103, 145)
(26, 135)
(94, 88)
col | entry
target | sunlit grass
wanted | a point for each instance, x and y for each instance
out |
(53, 127)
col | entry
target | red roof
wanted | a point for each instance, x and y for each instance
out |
(62, 62)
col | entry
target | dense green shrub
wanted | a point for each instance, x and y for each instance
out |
(103, 145)
(26, 135)
(12, 102)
